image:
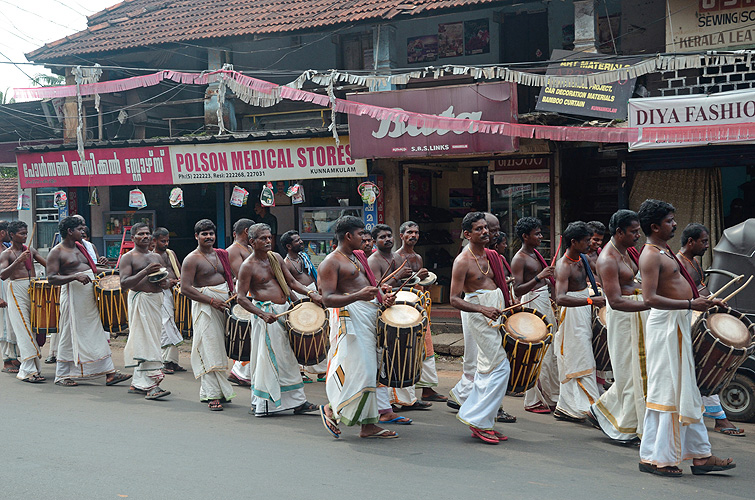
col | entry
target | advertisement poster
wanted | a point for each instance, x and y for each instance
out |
(698, 25)
(476, 37)
(422, 49)
(450, 40)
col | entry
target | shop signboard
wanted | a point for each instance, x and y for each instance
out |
(374, 213)
(724, 108)
(699, 25)
(373, 138)
(101, 167)
(599, 101)
(530, 163)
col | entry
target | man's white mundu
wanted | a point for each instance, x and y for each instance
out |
(83, 351)
(19, 312)
(547, 389)
(7, 337)
(142, 351)
(673, 427)
(170, 337)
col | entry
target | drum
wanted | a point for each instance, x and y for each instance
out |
(600, 339)
(413, 295)
(308, 331)
(182, 312)
(238, 333)
(45, 308)
(401, 329)
(526, 336)
(111, 302)
(722, 339)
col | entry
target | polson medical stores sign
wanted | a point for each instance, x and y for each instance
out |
(257, 161)
(696, 25)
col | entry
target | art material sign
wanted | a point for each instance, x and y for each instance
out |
(599, 101)
(101, 167)
(724, 108)
(188, 164)
(372, 138)
(696, 25)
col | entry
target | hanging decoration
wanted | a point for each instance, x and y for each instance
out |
(267, 197)
(369, 192)
(176, 198)
(24, 202)
(296, 193)
(94, 197)
(60, 199)
(238, 196)
(136, 199)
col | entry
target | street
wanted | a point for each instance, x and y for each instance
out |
(98, 442)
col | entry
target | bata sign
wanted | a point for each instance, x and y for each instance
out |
(725, 108)
(709, 24)
(229, 162)
(373, 138)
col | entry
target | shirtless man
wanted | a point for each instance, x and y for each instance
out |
(476, 295)
(145, 318)
(573, 342)
(239, 250)
(70, 266)
(206, 279)
(596, 242)
(533, 284)
(170, 336)
(7, 338)
(695, 242)
(409, 234)
(621, 409)
(276, 385)
(17, 271)
(673, 426)
(348, 284)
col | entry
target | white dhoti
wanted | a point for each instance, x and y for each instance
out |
(576, 361)
(276, 380)
(713, 408)
(492, 376)
(170, 337)
(19, 319)
(7, 336)
(352, 370)
(209, 360)
(242, 370)
(545, 392)
(621, 409)
(460, 392)
(83, 350)
(673, 426)
(142, 351)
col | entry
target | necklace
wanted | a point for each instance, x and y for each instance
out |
(694, 265)
(359, 269)
(297, 261)
(478, 263)
(567, 256)
(208, 260)
(623, 257)
(28, 271)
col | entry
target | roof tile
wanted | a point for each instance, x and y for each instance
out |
(8, 194)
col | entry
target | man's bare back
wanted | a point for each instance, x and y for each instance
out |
(237, 254)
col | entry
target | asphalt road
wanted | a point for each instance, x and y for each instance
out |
(98, 442)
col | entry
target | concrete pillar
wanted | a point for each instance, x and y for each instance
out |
(384, 48)
(585, 26)
(70, 112)
(215, 61)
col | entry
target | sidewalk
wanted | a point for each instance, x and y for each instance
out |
(445, 323)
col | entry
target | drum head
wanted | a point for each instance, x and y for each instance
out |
(158, 276)
(526, 326)
(401, 316)
(602, 315)
(730, 330)
(307, 317)
(240, 313)
(407, 296)
(431, 278)
(110, 282)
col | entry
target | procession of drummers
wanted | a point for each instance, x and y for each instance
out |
(360, 321)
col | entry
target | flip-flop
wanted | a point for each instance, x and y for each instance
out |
(699, 470)
(33, 379)
(327, 420)
(652, 469)
(538, 409)
(12, 369)
(593, 420)
(500, 436)
(66, 382)
(560, 415)
(382, 434)
(487, 437)
(735, 431)
(305, 407)
(398, 420)
(435, 397)
(235, 380)
(118, 378)
(453, 404)
(168, 371)
(418, 405)
(136, 390)
(504, 417)
(216, 407)
(156, 393)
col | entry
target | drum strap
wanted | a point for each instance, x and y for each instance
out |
(278, 272)
(590, 275)
(174, 263)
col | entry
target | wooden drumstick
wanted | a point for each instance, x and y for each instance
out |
(727, 299)
(230, 298)
(289, 311)
(518, 305)
(386, 278)
(558, 250)
(31, 238)
(727, 285)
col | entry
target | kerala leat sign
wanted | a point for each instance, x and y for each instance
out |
(696, 25)
(371, 138)
(188, 164)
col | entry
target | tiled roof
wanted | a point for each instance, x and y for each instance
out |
(138, 23)
(8, 194)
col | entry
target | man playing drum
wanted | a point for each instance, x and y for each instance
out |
(573, 342)
(7, 338)
(405, 398)
(347, 283)
(276, 381)
(673, 429)
(481, 306)
(695, 241)
(383, 262)
(300, 265)
(621, 409)
(170, 336)
(207, 280)
(533, 280)
(17, 271)
(83, 350)
(241, 373)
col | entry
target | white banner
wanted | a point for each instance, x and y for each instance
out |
(696, 25)
(262, 161)
(725, 108)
